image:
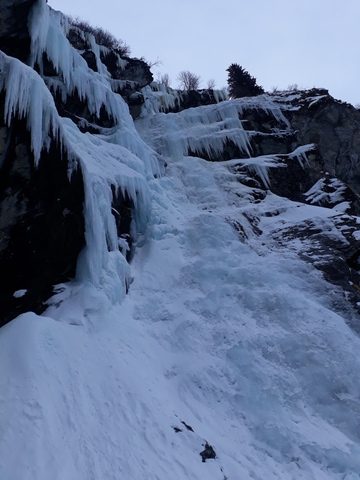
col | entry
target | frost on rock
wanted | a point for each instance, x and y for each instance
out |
(260, 166)
(327, 191)
(301, 154)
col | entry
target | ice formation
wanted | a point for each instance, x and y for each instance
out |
(161, 98)
(234, 337)
(27, 97)
(119, 159)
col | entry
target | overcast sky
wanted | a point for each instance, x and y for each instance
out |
(280, 42)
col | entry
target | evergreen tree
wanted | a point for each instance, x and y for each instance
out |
(241, 83)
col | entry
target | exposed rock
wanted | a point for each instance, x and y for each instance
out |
(90, 58)
(127, 69)
(195, 98)
(135, 101)
(41, 223)
(76, 109)
(133, 73)
(334, 127)
(188, 427)
(136, 70)
(184, 99)
(77, 38)
(14, 35)
(295, 179)
(177, 430)
(208, 453)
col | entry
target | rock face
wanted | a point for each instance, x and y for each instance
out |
(311, 117)
(195, 98)
(130, 75)
(41, 222)
(14, 36)
(335, 128)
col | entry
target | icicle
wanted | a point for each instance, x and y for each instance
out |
(48, 35)
(119, 160)
(26, 96)
(203, 129)
(300, 154)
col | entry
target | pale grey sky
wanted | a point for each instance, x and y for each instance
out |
(280, 42)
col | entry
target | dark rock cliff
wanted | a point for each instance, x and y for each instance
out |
(335, 128)
(41, 222)
(14, 35)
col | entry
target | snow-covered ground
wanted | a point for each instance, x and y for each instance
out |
(237, 341)
(223, 338)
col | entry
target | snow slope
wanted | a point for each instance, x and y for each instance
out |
(228, 337)
(221, 339)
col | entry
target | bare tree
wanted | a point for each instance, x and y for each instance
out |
(164, 79)
(102, 37)
(188, 80)
(152, 63)
(293, 87)
(211, 84)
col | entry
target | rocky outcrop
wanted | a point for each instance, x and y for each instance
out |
(14, 35)
(41, 222)
(130, 75)
(128, 69)
(195, 98)
(311, 117)
(335, 128)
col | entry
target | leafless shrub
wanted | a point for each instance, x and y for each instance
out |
(102, 37)
(188, 80)
(211, 84)
(164, 79)
(294, 87)
(151, 63)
